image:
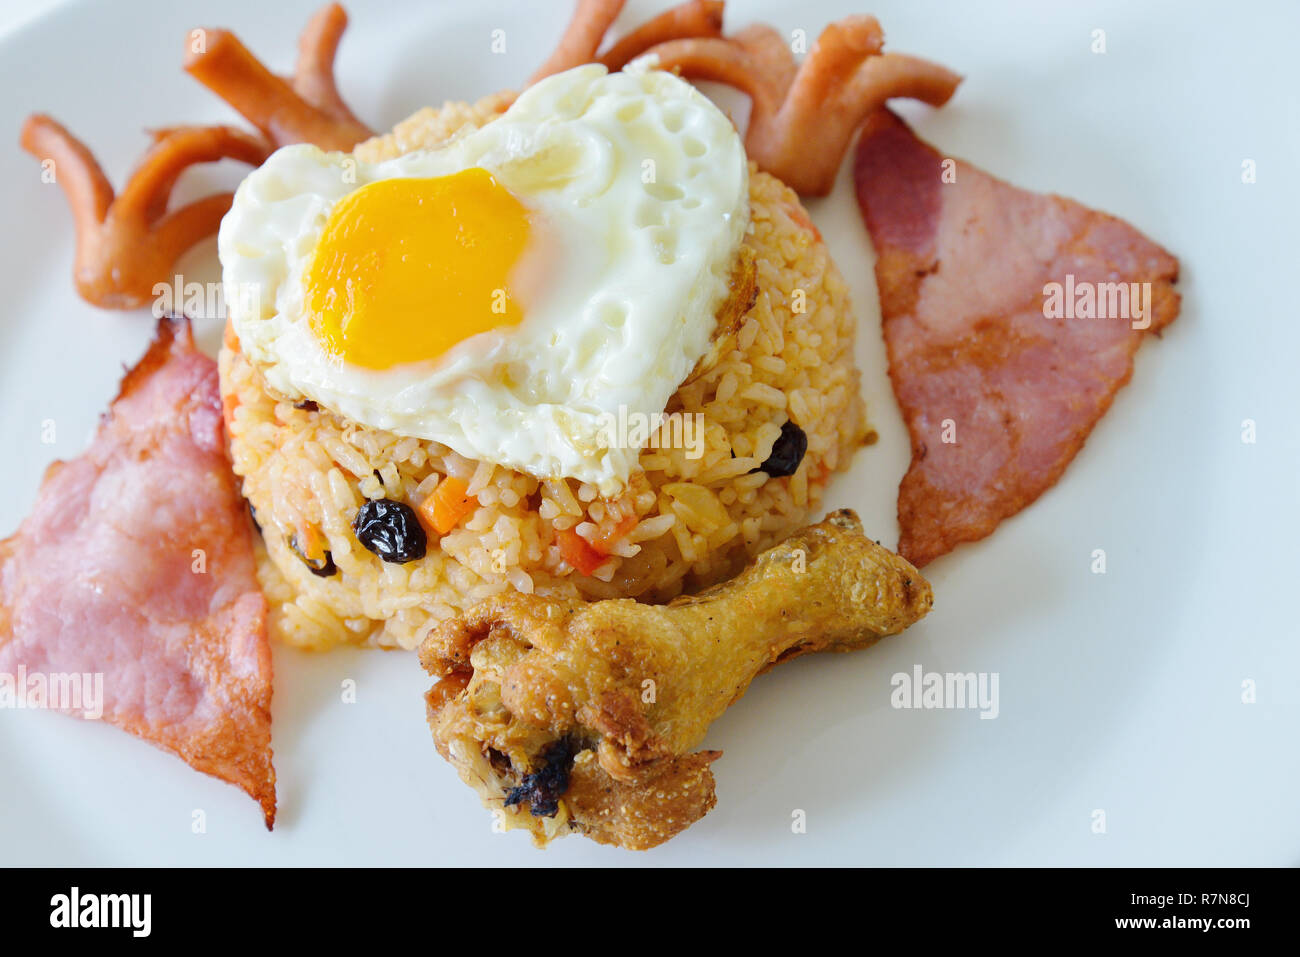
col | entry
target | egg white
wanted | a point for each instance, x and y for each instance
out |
(642, 185)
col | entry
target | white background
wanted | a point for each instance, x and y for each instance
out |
(1120, 692)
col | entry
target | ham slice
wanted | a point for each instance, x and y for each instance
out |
(137, 563)
(998, 397)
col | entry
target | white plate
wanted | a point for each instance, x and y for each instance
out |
(1119, 692)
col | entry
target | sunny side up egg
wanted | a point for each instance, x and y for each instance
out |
(510, 293)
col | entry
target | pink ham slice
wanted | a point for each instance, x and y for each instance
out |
(137, 563)
(962, 268)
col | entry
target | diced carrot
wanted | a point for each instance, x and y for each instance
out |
(228, 337)
(607, 538)
(444, 508)
(313, 548)
(312, 542)
(577, 551)
(229, 401)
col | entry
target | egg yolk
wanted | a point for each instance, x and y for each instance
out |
(407, 268)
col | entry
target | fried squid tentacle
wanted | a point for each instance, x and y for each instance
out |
(571, 717)
(802, 119)
(305, 108)
(129, 243)
(593, 18)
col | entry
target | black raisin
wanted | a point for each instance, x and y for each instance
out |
(306, 405)
(787, 452)
(544, 787)
(391, 530)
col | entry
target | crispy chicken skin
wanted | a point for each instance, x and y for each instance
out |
(567, 716)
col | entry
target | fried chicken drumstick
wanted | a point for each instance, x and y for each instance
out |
(572, 717)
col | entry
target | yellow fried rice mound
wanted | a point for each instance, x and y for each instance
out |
(697, 519)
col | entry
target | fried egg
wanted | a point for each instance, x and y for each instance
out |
(508, 293)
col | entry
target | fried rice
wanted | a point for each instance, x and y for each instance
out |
(685, 520)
